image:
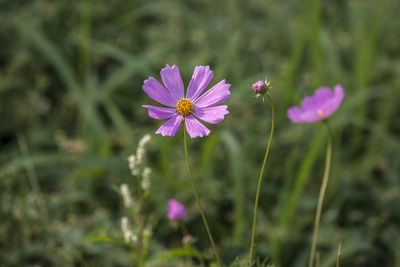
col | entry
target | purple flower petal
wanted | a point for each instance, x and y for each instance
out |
(312, 116)
(195, 128)
(215, 96)
(323, 95)
(295, 114)
(211, 114)
(158, 93)
(159, 112)
(339, 95)
(327, 107)
(173, 81)
(320, 97)
(170, 127)
(201, 78)
(308, 102)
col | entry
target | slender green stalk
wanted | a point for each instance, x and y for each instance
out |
(185, 232)
(33, 179)
(338, 255)
(259, 182)
(197, 198)
(321, 197)
(139, 186)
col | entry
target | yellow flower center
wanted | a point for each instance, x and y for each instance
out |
(184, 106)
(320, 112)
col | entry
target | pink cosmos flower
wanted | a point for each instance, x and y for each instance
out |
(192, 106)
(317, 107)
(176, 210)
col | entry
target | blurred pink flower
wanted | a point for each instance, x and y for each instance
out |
(317, 107)
(192, 106)
(186, 239)
(176, 210)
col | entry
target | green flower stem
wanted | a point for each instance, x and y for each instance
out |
(197, 198)
(259, 182)
(321, 197)
(185, 232)
(139, 186)
(183, 228)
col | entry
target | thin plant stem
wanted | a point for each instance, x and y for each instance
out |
(185, 232)
(259, 182)
(183, 228)
(197, 198)
(139, 185)
(321, 197)
(33, 179)
(338, 255)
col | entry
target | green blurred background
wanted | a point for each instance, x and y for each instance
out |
(70, 106)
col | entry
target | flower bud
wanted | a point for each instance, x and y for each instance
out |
(186, 239)
(259, 87)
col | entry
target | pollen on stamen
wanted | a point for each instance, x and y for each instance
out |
(184, 106)
(320, 113)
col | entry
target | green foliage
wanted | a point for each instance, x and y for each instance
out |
(70, 86)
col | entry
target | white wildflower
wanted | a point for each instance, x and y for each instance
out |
(133, 165)
(140, 150)
(125, 230)
(126, 195)
(146, 183)
(148, 231)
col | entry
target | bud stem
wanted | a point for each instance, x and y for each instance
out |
(259, 182)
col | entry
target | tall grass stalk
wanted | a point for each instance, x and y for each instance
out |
(259, 182)
(338, 255)
(321, 196)
(33, 179)
(197, 197)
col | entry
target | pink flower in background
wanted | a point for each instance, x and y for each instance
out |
(176, 210)
(192, 106)
(186, 239)
(317, 107)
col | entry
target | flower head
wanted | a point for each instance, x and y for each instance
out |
(191, 106)
(317, 107)
(176, 210)
(259, 87)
